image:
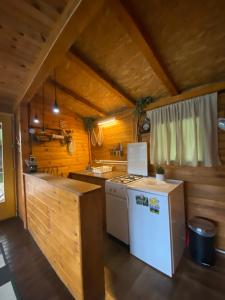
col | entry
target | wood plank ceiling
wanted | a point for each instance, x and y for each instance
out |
(129, 49)
(24, 29)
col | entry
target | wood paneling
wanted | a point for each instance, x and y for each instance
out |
(100, 77)
(78, 98)
(106, 44)
(98, 181)
(74, 18)
(204, 193)
(187, 36)
(35, 278)
(122, 131)
(195, 92)
(24, 29)
(75, 242)
(5, 107)
(76, 76)
(143, 43)
(52, 156)
(205, 187)
(147, 49)
(66, 101)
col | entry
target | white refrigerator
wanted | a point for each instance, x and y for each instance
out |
(157, 223)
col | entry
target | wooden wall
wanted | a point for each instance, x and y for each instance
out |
(123, 131)
(52, 156)
(204, 187)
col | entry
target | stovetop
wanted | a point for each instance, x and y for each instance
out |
(124, 179)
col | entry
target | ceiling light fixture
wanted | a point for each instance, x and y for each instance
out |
(106, 122)
(55, 108)
(36, 120)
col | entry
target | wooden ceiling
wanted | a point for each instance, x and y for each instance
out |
(122, 51)
(24, 29)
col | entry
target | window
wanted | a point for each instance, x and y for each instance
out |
(185, 133)
(186, 139)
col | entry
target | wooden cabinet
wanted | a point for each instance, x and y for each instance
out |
(65, 218)
(94, 180)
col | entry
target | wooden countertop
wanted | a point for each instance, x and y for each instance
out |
(105, 176)
(77, 187)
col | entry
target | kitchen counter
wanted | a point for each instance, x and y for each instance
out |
(64, 216)
(105, 176)
(77, 187)
(99, 180)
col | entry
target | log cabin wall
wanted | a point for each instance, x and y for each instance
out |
(123, 131)
(52, 156)
(204, 187)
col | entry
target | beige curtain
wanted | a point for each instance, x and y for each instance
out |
(185, 133)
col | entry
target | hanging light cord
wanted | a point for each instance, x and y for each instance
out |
(55, 85)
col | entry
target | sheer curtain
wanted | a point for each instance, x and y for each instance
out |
(185, 133)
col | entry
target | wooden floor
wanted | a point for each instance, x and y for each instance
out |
(126, 277)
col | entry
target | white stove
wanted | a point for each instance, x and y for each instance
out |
(124, 179)
(116, 192)
(117, 187)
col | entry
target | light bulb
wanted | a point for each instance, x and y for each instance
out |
(56, 108)
(36, 120)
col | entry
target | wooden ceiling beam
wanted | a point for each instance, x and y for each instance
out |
(74, 19)
(77, 97)
(97, 74)
(195, 92)
(144, 44)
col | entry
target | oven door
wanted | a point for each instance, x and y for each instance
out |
(117, 217)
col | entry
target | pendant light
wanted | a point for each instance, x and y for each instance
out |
(55, 108)
(35, 119)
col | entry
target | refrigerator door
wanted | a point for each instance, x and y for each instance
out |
(137, 159)
(149, 229)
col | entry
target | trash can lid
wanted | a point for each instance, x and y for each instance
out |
(202, 227)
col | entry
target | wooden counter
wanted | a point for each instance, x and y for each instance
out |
(65, 218)
(99, 179)
(104, 176)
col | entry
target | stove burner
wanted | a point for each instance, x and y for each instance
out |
(126, 178)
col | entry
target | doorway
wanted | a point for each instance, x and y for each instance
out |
(7, 187)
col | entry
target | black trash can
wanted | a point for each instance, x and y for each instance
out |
(201, 241)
